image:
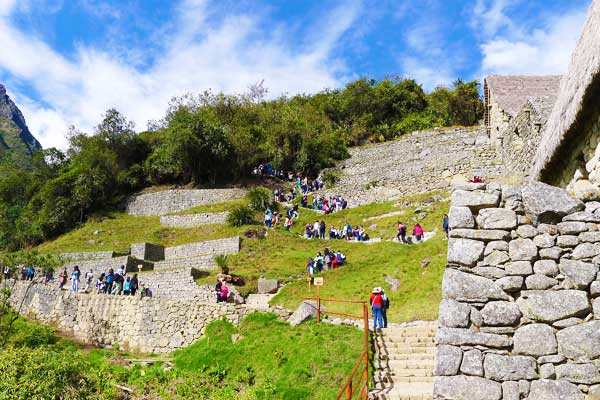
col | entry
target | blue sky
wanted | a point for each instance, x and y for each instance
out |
(66, 62)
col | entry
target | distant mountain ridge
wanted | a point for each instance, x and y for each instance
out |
(17, 144)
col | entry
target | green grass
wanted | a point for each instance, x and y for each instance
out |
(215, 207)
(283, 255)
(263, 358)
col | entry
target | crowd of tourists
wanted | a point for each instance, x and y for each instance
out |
(318, 230)
(117, 283)
(330, 259)
(22, 272)
(326, 204)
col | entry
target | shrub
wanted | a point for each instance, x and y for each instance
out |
(222, 262)
(241, 216)
(260, 199)
(331, 177)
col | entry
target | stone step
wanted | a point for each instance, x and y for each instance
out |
(382, 382)
(411, 391)
(405, 357)
(419, 364)
(404, 372)
(405, 339)
(397, 347)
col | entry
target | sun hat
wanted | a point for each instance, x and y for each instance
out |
(376, 290)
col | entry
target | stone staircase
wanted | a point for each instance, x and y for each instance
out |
(403, 362)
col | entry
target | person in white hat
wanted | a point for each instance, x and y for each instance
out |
(376, 302)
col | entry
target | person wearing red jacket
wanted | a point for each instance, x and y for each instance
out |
(376, 302)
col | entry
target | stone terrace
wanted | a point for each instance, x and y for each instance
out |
(169, 201)
(416, 163)
(520, 309)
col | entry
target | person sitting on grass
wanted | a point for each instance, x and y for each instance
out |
(288, 223)
(308, 231)
(304, 201)
(333, 233)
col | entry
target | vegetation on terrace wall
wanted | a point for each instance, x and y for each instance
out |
(213, 139)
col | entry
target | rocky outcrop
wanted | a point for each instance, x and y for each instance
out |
(520, 315)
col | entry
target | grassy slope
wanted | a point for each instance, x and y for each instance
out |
(283, 254)
(269, 361)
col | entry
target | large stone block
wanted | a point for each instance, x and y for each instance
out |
(466, 337)
(523, 268)
(472, 363)
(466, 388)
(464, 251)
(583, 216)
(578, 274)
(539, 282)
(475, 200)
(453, 314)
(447, 360)
(535, 340)
(551, 306)
(546, 267)
(480, 234)
(544, 389)
(586, 250)
(571, 228)
(580, 342)
(460, 286)
(578, 373)
(509, 368)
(497, 218)
(522, 250)
(500, 313)
(510, 283)
(267, 285)
(548, 204)
(461, 217)
(544, 241)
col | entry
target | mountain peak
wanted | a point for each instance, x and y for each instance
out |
(16, 141)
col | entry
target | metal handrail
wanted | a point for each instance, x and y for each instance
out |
(360, 387)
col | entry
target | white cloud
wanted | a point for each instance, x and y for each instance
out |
(228, 55)
(538, 52)
(489, 16)
(430, 76)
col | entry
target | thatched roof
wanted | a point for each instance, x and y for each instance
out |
(511, 92)
(578, 88)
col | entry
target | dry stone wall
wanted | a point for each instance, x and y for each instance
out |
(148, 325)
(103, 265)
(148, 251)
(87, 255)
(416, 163)
(212, 247)
(169, 201)
(199, 262)
(520, 315)
(193, 220)
(177, 284)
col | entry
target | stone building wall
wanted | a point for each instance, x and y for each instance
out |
(517, 144)
(199, 262)
(520, 315)
(416, 163)
(212, 247)
(193, 220)
(177, 284)
(148, 251)
(168, 201)
(103, 265)
(148, 325)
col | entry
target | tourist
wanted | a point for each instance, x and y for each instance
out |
(446, 225)
(308, 233)
(295, 213)
(218, 290)
(100, 283)
(401, 236)
(316, 227)
(288, 223)
(268, 218)
(75, 279)
(127, 286)
(333, 233)
(108, 281)
(118, 286)
(63, 279)
(319, 261)
(385, 304)
(310, 266)
(23, 269)
(133, 286)
(6, 272)
(327, 258)
(89, 278)
(224, 292)
(277, 218)
(341, 257)
(322, 228)
(418, 232)
(304, 201)
(376, 302)
(30, 273)
(334, 260)
(48, 276)
(121, 270)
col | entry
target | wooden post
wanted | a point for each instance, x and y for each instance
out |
(366, 328)
(318, 304)
(349, 391)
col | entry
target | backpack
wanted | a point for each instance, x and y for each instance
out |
(385, 301)
(109, 278)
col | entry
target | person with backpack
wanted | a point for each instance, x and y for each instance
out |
(384, 307)
(108, 281)
(319, 261)
(401, 236)
(119, 279)
(376, 302)
(75, 279)
(30, 273)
